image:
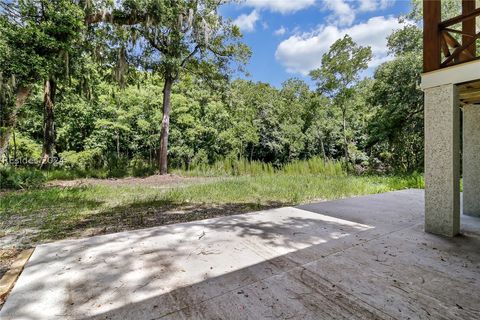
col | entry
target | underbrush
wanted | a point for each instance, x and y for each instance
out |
(243, 167)
(11, 178)
(315, 169)
(27, 178)
(412, 181)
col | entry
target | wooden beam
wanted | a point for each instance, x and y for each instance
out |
(469, 93)
(463, 55)
(445, 48)
(457, 53)
(469, 86)
(458, 32)
(431, 35)
(468, 27)
(458, 19)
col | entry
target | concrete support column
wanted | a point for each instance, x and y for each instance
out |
(442, 160)
(471, 160)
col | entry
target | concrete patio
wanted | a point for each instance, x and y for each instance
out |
(359, 258)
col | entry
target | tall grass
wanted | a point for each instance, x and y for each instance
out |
(412, 181)
(243, 167)
(54, 213)
(316, 166)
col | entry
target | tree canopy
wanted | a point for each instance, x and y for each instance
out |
(128, 83)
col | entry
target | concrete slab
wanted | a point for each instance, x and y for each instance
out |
(359, 258)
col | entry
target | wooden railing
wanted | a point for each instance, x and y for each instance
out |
(445, 45)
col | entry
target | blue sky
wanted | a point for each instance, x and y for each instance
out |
(288, 37)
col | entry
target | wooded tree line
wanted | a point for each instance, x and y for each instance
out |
(110, 84)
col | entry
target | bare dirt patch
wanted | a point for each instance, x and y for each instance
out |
(156, 181)
(128, 217)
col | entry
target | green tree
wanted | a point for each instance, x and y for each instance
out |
(34, 36)
(175, 36)
(405, 40)
(396, 132)
(449, 8)
(338, 76)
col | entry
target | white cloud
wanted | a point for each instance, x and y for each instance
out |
(374, 5)
(282, 6)
(280, 31)
(303, 52)
(343, 13)
(247, 22)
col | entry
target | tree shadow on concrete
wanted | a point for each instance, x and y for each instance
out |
(93, 272)
(296, 266)
(149, 214)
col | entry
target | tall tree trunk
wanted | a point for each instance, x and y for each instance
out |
(14, 147)
(117, 133)
(50, 88)
(21, 96)
(345, 142)
(150, 155)
(163, 152)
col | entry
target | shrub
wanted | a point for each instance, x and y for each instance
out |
(140, 168)
(200, 160)
(117, 167)
(12, 178)
(83, 160)
(25, 150)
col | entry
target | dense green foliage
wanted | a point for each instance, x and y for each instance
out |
(247, 120)
(11, 178)
(110, 105)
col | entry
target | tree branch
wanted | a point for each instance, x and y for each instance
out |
(187, 58)
(115, 17)
(217, 53)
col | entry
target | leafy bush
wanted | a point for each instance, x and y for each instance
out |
(12, 178)
(141, 168)
(116, 167)
(23, 151)
(200, 160)
(83, 160)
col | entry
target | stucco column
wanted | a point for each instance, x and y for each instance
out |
(442, 160)
(471, 160)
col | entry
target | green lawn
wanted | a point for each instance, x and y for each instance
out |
(39, 215)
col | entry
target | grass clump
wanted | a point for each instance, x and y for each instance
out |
(11, 178)
(243, 167)
(316, 166)
(228, 168)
